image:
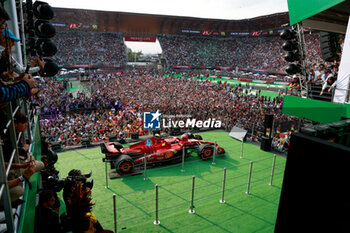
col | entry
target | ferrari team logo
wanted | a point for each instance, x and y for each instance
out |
(151, 120)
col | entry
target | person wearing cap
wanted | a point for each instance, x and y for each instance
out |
(16, 90)
(295, 83)
(7, 41)
(294, 86)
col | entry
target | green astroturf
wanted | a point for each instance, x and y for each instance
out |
(271, 94)
(214, 79)
(231, 81)
(135, 197)
(75, 87)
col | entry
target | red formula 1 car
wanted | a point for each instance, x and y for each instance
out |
(158, 151)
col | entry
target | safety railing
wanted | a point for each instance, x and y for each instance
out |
(9, 136)
(195, 192)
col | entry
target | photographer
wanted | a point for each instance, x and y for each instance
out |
(77, 198)
(76, 175)
(46, 218)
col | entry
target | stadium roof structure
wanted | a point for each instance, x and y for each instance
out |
(323, 15)
(150, 24)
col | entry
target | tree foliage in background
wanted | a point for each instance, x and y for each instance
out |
(134, 56)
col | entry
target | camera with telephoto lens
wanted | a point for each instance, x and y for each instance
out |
(56, 184)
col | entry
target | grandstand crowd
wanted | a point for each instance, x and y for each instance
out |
(84, 47)
(91, 47)
(112, 109)
(258, 53)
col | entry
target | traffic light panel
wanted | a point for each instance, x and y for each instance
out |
(291, 47)
(39, 33)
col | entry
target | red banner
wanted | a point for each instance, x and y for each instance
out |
(261, 71)
(182, 67)
(224, 68)
(255, 33)
(140, 38)
(244, 80)
(80, 66)
(206, 33)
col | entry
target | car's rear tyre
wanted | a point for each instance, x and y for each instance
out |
(205, 151)
(124, 164)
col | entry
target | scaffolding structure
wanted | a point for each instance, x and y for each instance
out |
(16, 25)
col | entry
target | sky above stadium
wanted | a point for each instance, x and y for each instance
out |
(216, 9)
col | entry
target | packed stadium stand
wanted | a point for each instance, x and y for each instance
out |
(247, 52)
(90, 47)
(181, 40)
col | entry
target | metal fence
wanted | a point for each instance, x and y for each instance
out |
(165, 200)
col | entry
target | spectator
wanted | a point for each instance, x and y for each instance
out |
(21, 124)
(16, 190)
(16, 90)
(10, 92)
(27, 167)
(294, 86)
(330, 79)
(7, 41)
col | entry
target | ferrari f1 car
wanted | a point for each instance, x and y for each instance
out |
(157, 151)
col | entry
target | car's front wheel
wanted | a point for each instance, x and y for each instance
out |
(205, 151)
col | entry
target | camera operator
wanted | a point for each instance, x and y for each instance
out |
(68, 189)
(77, 198)
(46, 218)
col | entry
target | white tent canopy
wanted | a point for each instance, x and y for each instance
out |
(342, 89)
